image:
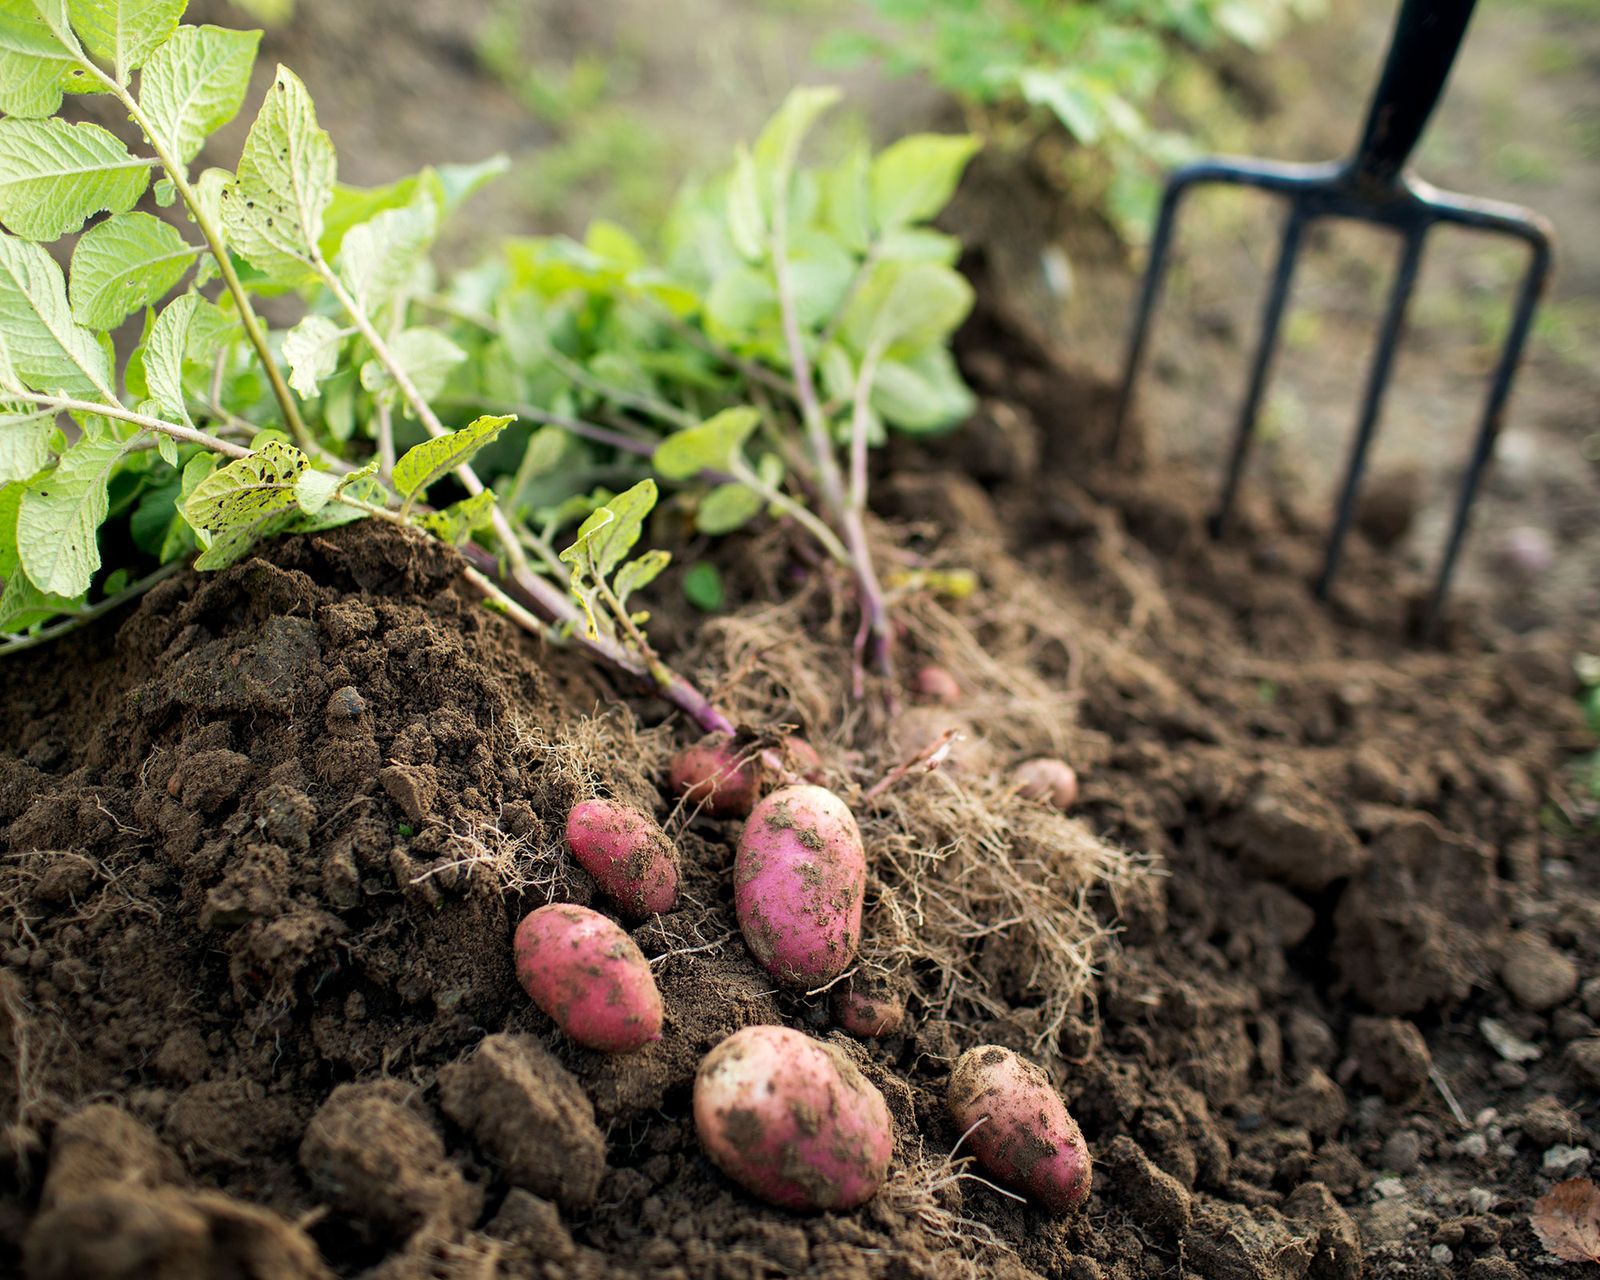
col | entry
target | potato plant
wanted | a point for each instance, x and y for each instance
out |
(1091, 67)
(790, 318)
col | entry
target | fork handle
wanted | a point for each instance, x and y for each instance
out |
(1427, 34)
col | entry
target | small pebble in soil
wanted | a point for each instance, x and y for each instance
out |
(1402, 1151)
(1546, 1122)
(1442, 1254)
(346, 703)
(1510, 1075)
(1474, 1146)
(1562, 1161)
(1388, 1188)
(1478, 1199)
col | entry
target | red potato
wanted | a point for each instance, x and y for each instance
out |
(716, 775)
(792, 1120)
(1026, 1140)
(869, 1009)
(589, 976)
(933, 683)
(1052, 781)
(629, 856)
(725, 776)
(799, 877)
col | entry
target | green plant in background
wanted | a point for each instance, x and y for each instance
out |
(1093, 66)
(1588, 768)
(792, 317)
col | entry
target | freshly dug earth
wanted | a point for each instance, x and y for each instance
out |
(266, 844)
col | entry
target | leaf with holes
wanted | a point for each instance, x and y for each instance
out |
(248, 490)
(273, 209)
(55, 176)
(33, 62)
(460, 520)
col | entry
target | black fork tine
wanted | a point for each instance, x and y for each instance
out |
(1372, 400)
(1266, 347)
(1535, 232)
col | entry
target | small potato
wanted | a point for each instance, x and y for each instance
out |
(799, 877)
(717, 775)
(629, 856)
(1052, 781)
(1026, 1140)
(589, 976)
(792, 1120)
(869, 1009)
(724, 776)
(933, 683)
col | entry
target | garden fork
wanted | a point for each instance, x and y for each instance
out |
(1372, 186)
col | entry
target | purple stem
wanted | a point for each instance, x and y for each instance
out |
(547, 601)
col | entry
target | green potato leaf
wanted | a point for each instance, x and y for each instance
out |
(711, 446)
(914, 178)
(122, 264)
(59, 520)
(55, 176)
(194, 84)
(427, 462)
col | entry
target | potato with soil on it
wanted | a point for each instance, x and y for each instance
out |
(1054, 782)
(628, 855)
(869, 1008)
(792, 1120)
(799, 877)
(589, 976)
(1017, 1126)
(724, 775)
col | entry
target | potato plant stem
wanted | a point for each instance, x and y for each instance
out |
(847, 514)
(189, 435)
(541, 596)
(86, 615)
(253, 332)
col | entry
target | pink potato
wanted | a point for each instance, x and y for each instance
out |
(629, 856)
(589, 976)
(724, 775)
(792, 1120)
(1023, 1137)
(799, 877)
(869, 1009)
(1052, 781)
(717, 775)
(933, 683)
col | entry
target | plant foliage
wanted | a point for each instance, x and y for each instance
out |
(790, 317)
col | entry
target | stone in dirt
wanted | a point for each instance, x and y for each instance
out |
(1538, 976)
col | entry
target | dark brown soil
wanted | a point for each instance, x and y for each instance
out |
(266, 844)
